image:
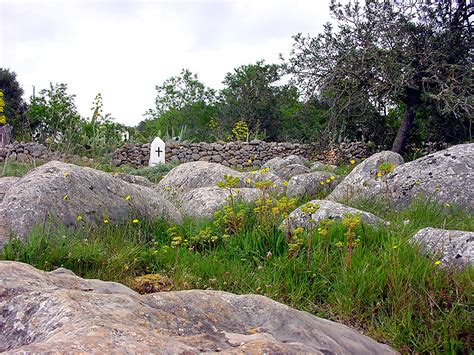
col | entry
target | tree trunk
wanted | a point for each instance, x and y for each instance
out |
(402, 135)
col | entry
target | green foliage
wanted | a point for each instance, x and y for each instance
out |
(99, 135)
(181, 101)
(391, 292)
(152, 173)
(380, 55)
(15, 107)
(55, 118)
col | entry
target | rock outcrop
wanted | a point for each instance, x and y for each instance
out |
(59, 312)
(192, 187)
(453, 248)
(311, 184)
(363, 182)
(204, 201)
(446, 176)
(287, 167)
(327, 210)
(71, 195)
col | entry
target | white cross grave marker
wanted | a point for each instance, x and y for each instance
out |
(157, 152)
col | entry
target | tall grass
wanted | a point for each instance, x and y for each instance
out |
(390, 292)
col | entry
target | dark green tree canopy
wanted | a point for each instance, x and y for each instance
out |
(380, 55)
(15, 106)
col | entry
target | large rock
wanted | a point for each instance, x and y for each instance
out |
(133, 179)
(362, 182)
(446, 176)
(57, 311)
(204, 201)
(451, 247)
(311, 184)
(64, 191)
(6, 183)
(178, 184)
(190, 176)
(287, 167)
(328, 210)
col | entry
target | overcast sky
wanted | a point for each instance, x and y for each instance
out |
(123, 48)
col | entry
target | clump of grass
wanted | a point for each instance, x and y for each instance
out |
(153, 173)
(369, 278)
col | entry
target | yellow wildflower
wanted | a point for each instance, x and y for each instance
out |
(328, 180)
(106, 221)
(167, 188)
(66, 174)
(438, 262)
(285, 183)
(249, 161)
(395, 247)
(321, 182)
(128, 198)
(379, 174)
(332, 177)
(66, 197)
(248, 181)
(79, 218)
(135, 220)
(353, 162)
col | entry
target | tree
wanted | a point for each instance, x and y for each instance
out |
(250, 95)
(383, 55)
(181, 101)
(54, 114)
(15, 107)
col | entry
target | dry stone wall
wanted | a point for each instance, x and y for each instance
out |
(31, 151)
(237, 154)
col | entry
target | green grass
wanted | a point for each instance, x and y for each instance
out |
(390, 292)
(154, 174)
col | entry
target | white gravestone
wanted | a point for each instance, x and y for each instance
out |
(157, 152)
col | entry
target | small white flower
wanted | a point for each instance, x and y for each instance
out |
(405, 222)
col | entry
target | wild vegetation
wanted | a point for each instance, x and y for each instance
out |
(367, 277)
(394, 73)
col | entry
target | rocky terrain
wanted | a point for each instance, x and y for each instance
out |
(42, 312)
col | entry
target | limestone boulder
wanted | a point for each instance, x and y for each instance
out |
(287, 167)
(446, 176)
(71, 195)
(454, 248)
(189, 176)
(178, 184)
(134, 179)
(204, 201)
(47, 312)
(311, 184)
(6, 183)
(318, 166)
(328, 210)
(363, 182)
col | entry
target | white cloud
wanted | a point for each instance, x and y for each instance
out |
(124, 48)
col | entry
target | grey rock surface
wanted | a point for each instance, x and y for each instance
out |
(362, 182)
(328, 210)
(204, 201)
(50, 312)
(287, 172)
(178, 184)
(134, 179)
(446, 176)
(6, 183)
(189, 176)
(318, 166)
(65, 191)
(287, 167)
(310, 184)
(452, 247)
